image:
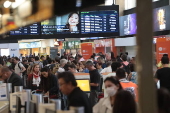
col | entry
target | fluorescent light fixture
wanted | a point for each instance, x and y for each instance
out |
(7, 4)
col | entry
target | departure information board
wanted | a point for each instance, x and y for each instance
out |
(99, 21)
(33, 29)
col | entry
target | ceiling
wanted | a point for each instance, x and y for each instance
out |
(31, 40)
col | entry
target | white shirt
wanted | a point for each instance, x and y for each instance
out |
(103, 106)
(36, 81)
(107, 70)
(60, 70)
(17, 69)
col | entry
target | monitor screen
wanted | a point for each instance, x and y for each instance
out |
(66, 24)
(103, 21)
(84, 84)
(33, 29)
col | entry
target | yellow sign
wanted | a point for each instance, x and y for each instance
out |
(84, 85)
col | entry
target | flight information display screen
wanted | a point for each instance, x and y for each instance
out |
(33, 29)
(99, 21)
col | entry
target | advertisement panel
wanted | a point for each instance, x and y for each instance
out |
(161, 18)
(162, 47)
(86, 50)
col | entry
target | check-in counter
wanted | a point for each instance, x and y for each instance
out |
(4, 106)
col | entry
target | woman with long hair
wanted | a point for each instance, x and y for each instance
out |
(106, 104)
(72, 22)
(49, 83)
(34, 78)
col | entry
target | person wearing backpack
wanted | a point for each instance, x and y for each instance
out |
(125, 64)
(19, 67)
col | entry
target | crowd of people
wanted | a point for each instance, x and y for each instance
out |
(116, 76)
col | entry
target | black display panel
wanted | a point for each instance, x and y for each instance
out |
(99, 21)
(66, 24)
(33, 29)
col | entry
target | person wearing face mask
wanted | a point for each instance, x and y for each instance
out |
(49, 83)
(106, 104)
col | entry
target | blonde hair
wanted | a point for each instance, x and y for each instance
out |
(101, 59)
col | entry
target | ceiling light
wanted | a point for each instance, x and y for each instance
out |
(7, 4)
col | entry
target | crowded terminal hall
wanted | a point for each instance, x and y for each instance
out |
(84, 56)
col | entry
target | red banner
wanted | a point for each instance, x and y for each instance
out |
(86, 50)
(162, 47)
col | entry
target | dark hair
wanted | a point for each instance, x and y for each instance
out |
(67, 24)
(114, 81)
(115, 66)
(75, 62)
(124, 103)
(37, 58)
(112, 56)
(16, 58)
(100, 64)
(163, 101)
(165, 60)
(68, 77)
(66, 67)
(108, 63)
(124, 57)
(72, 66)
(132, 67)
(45, 69)
(165, 55)
(92, 56)
(41, 57)
(120, 73)
(57, 60)
(24, 60)
(126, 53)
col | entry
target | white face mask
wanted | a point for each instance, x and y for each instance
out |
(111, 91)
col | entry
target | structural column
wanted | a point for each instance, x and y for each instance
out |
(147, 92)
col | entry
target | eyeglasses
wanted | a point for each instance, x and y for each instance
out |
(60, 85)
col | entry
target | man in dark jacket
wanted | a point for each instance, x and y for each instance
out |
(10, 77)
(76, 97)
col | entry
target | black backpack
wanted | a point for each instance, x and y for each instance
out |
(126, 68)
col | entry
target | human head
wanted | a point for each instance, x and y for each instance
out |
(108, 56)
(32, 59)
(109, 63)
(35, 68)
(72, 68)
(165, 60)
(45, 72)
(133, 60)
(120, 73)
(16, 60)
(126, 53)
(163, 100)
(124, 57)
(112, 84)
(37, 58)
(165, 55)
(63, 62)
(5, 73)
(100, 60)
(99, 65)
(73, 19)
(89, 65)
(67, 82)
(9, 59)
(115, 66)
(125, 101)
(79, 56)
(43, 58)
(25, 62)
(71, 59)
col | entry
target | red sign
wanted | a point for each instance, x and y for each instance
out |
(162, 47)
(86, 50)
